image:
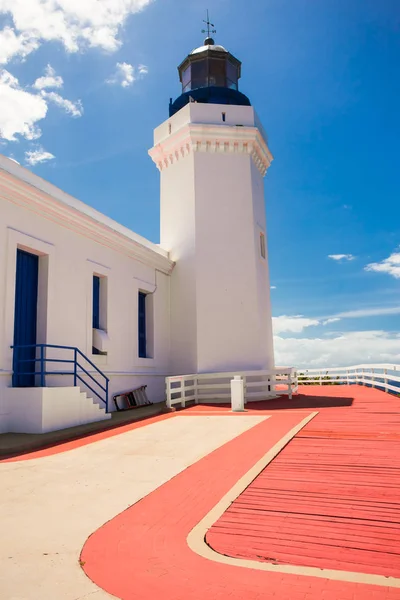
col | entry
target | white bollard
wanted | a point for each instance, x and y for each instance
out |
(237, 394)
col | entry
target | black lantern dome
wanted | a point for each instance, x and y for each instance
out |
(209, 74)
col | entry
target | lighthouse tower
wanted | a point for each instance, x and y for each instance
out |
(212, 155)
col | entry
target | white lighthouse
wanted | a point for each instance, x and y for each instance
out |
(212, 154)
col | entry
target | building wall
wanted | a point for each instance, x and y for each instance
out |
(67, 263)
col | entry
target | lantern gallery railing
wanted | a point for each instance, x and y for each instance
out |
(216, 387)
(382, 376)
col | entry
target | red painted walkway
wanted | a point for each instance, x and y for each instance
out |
(331, 497)
(143, 554)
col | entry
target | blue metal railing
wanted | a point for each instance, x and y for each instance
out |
(38, 355)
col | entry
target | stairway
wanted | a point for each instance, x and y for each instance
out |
(90, 411)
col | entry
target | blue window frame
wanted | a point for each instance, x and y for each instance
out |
(142, 325)
(96, 302)
(96, 307)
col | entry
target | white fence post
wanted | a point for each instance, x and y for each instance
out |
(237, 394)
(245, 388)
(295, 381)
(196, 393)
(168, 386)
(386, 380)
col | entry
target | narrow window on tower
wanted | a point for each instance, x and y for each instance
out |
(142, 342)
(99, 315)
(262, 245)
(224, 117)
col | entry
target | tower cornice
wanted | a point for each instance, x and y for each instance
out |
(218, 139)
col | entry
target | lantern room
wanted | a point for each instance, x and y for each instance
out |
(209, 74)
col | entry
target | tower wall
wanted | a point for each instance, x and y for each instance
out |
(212, 160)
(178, 236)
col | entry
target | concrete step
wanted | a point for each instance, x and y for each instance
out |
(91, 411)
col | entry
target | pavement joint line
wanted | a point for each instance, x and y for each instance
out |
(197, 537)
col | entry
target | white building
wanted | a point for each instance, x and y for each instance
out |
(197, 303)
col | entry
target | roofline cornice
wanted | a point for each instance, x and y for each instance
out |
(194, 137)
(25, 195)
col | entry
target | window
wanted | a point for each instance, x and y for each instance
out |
(232, 75)
(96, 307)
(262, 244)
(142, 342)
(224, 117)
(186, 79)
(96, 302)
(216, 72)
(199, 74)
(99, 315)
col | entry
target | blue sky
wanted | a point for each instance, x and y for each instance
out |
(324, 79)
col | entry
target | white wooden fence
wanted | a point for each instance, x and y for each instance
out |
(216, 387)
(264, 385)
(381, 376)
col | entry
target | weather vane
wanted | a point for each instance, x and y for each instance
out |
(210, 26)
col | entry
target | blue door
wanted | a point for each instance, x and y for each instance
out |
(25, 317)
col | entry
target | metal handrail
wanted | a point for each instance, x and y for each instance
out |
(91, 376)
(42, 359)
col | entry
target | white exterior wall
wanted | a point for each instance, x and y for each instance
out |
(40, 410)
(178, 234)
(68, 260)
(212, 214)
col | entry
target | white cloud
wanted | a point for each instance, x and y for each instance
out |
(369, 312)
(12, 44)
(125, 74)
(297, 323)
(340, 257)
(143, 70)
(19, 110)
(294, 324)
(33, 157)
(50, 80)
(273, 287)
(390, 265)
(331, 320)
(75, 109)
(345, 349)
(74, 23)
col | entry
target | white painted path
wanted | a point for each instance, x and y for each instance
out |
(49, 506)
